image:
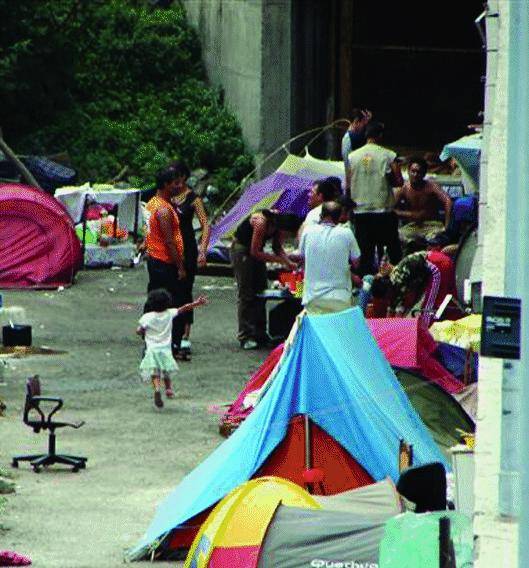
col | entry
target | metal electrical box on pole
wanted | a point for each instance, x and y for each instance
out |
(500, 331)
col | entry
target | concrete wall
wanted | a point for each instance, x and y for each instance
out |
(246, 51)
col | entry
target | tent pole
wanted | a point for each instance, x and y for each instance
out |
(83, 242)
(308, 461)
(12, 157)
(136, 213)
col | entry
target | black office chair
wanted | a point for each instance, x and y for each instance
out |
(36, 418)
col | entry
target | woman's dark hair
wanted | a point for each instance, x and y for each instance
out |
(288, 222)
(180, 169)
(165, 176)
(158, 300)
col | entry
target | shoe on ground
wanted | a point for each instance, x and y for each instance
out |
(158, 402)
(169, 393)
(264, 341)
(249, 344)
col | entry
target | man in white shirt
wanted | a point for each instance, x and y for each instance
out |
(321, 192)
(328, 250)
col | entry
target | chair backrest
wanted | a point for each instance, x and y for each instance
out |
(33, 386)
(33, 390)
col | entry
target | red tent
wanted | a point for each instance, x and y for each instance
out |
(38, 244)
(340, 472)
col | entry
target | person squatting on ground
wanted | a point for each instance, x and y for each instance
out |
(155, 326)
(373, 173)
(186, 204)
(249, 267)
(418, 202)
(328, 249)
(418, 284)
(164, 243)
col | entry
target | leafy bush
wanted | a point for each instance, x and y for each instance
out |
(115, 83)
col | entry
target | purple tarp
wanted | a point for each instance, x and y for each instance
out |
(293, 194)
(292, 191)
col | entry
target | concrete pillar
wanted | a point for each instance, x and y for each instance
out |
(496, 544)
(246, 49)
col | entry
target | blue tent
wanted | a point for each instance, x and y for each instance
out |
(467, 152)
(334, 373)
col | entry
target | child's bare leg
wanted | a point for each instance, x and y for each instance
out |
(168, 387)
(187, 331)
(157, 395)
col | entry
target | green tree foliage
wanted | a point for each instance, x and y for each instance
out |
(115, 83)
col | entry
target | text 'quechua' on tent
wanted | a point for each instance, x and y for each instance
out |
(38, 244)
(358, 415)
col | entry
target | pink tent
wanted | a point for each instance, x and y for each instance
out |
(407, 344)
(38, 244)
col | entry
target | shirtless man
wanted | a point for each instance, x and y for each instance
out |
(417, 203)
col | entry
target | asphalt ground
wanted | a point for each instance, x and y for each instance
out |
(136, 455)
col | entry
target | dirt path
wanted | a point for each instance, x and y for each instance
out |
(136, 455)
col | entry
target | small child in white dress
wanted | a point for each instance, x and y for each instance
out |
(155, 326)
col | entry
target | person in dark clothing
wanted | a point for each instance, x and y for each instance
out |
(187, 204)
(374, 171)
(249, 267)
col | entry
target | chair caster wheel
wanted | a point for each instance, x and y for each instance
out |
(36, 469)
(14, 464)
(75, 470)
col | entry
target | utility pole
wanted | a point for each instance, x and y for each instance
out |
(517, 218)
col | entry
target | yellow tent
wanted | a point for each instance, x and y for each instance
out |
(233, 533)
